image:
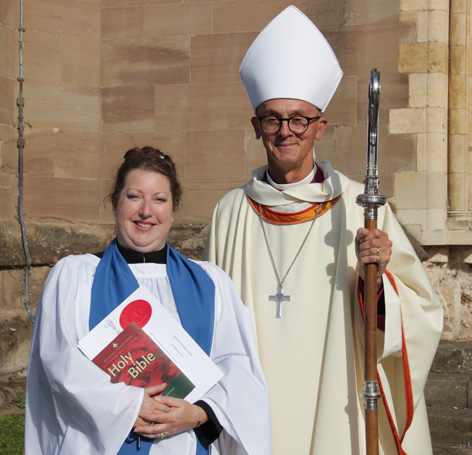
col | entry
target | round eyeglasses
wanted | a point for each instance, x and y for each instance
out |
(297, 124)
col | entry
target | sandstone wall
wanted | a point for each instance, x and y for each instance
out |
(102, 76)
(106, 76)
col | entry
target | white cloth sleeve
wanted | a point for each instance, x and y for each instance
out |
(69, 396)
(241, 399)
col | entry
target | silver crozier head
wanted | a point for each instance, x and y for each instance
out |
(371, 199)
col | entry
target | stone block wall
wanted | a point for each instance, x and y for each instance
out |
(106, 76)
(437, 63)
(103, 76)
(449, 269)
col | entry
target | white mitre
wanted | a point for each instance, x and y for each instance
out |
(290, 58)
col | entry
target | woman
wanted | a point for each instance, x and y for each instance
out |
(71, 405)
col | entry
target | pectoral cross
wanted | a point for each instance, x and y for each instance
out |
(279, 298)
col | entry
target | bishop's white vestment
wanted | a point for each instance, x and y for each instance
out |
(72, 408)
(313, 355)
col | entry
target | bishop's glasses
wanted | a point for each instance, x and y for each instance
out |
(297, 124)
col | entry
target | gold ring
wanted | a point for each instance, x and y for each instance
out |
(163, 434)
(378, 251)
(379, 259)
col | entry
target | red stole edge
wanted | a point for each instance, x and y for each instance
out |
(285, 218)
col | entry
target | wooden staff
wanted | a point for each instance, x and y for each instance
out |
(371, 200)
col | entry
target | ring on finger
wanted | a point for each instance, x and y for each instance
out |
(379, 258)
(378, 251)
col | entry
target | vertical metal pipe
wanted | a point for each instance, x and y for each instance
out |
(21, 144)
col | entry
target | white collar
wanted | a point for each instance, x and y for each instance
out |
(286, 186)
(264, 193)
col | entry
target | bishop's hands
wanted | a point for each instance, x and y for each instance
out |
(160, 416)
(373, 246)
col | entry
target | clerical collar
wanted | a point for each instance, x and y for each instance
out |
(137, 257)
(315, 176)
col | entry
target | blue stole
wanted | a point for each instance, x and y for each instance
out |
(194, 295)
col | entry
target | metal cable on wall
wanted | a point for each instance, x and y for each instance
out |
(21, 144)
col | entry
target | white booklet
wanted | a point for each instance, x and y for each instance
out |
(140, 343)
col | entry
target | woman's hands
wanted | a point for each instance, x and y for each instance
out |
(166, 416)
(149, 406)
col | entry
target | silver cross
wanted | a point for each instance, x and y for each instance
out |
(279, 298)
